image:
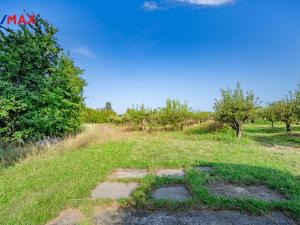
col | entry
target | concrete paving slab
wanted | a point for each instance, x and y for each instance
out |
(128, 173)
(172, 193)
(113, 190)
(244, 191)
(174, 173)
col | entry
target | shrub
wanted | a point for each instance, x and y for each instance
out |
(137, 117)
(89, 115)
(40, 87)
(206, 127)
(173, 116)
(200, 117)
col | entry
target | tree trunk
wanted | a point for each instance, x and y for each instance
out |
(288, 127)
(272, 124)
(239, 132)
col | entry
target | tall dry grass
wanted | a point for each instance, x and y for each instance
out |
(90, 134)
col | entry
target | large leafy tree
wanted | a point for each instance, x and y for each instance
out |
(235, 108)
(287, 111)
(271, 113)
(40, 87)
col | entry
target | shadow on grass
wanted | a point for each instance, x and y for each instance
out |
(264, 130)
(285, 140)
(265, 135)
(272, 136)
(283, 182)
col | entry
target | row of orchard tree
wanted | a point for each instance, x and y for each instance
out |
(173, 116)
(41, 95)
(237, 107)
(286, 111)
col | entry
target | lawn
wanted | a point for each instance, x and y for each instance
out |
(35, 190)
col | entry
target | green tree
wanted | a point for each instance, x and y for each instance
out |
(40, 86)
(89, 115)
(235, 108)
(287, 111)
(137, 117)
(174, 114)
(270, 113)
(108, 106)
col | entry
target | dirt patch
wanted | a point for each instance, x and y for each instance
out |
(174, 173)
(244, 191)
(67, 217)
(115, 216)
(110, 216)
(173, 193)
(108, 190)
(128, 173)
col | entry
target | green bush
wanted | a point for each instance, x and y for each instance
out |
(137, 117)
(173, 116)
(89, 115)
(40, 87)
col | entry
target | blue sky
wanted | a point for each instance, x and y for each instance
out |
(136, 51)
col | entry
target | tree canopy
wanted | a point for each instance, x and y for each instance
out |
(40, 87)
(235, 107)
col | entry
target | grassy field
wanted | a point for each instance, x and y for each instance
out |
(38, 188)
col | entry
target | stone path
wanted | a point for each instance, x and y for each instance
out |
(174, 173)
(244, 191)
(108, 190)
(179, 193)
(172, 193)
(128, 174)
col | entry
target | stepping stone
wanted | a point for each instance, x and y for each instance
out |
(244, 191)
(204, 168)
(174, 193)
(108, 190)
(174, 173)
(67, 217)
(128, 173)
(205, 217)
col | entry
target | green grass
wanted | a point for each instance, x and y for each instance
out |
(37, 189)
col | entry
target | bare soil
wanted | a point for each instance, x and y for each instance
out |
(67, 217)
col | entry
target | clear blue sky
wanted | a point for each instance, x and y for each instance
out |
(136, 51)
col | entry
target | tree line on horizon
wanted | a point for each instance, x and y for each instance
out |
(41, 95)
(235, 108)
(173, 116)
